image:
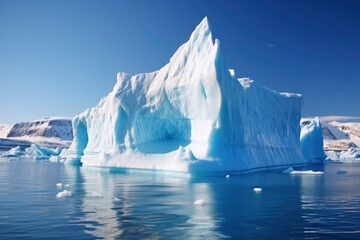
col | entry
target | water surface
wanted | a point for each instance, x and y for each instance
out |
(160, 206)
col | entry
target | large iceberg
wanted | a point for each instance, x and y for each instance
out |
(193, 115)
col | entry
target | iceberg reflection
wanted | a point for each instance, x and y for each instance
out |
(148, 206)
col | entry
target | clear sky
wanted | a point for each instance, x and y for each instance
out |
(59, 57)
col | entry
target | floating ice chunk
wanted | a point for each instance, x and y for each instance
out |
(59, 185)
(308, 172)
(227, 176)
(14, 152)
(353, 153)
(40, 153)
(117, 199)
(67, 185)
(288, 170)
(341, 172)
(96, 195)
(199, 202)
(257, 189)
(64, 194)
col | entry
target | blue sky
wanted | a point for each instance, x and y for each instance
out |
(58, 58)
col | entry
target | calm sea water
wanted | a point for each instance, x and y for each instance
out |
(155, 206)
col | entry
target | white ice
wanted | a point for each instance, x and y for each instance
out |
(307, 172)
(199, 202)
(64, 194)
(14, 152)
(193, 115)
(40, 153)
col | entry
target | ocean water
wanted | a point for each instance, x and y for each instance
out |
(114, 205)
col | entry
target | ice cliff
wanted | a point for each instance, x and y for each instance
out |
(312, 142)
(193, 115)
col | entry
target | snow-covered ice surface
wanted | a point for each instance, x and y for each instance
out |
(193, 115)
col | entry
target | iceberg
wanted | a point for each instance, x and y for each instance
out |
(40, 153)
(193, 115)
(312, 142)
(353, 153)
(14, 152)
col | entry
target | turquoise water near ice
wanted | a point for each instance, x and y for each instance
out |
(160, 206)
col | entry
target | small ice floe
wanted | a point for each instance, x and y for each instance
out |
(257, 189)
(96, 195)
(227, 176)
(117, 199)
(59, 185)
(341, 172)
(199, 202)
(288, 170)
(14, 152)
(64, 194)
(308, 172)
(67, 185)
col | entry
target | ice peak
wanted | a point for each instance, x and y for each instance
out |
(202, 32)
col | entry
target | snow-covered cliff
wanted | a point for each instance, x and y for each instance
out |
(193, 115)
(48, 127)
(50, 132)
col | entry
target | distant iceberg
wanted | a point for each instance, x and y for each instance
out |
(312, 142)
(40, 153)
(14, 152)
(193, 115)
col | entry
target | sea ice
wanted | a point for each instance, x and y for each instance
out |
(352, 153)
(14, 152)
(307, 172)
(64, 194)
(40, 153)
(199, 202)
(59, 185)
(257, 189)
(193, 115)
